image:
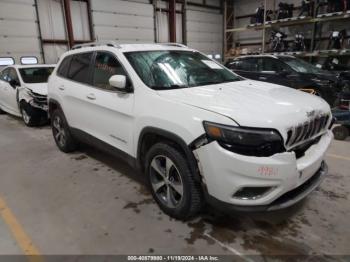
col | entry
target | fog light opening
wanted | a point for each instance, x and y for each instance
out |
(252, 193)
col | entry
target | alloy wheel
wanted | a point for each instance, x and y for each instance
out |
(58, 131)
(166, 181)
(26, 117)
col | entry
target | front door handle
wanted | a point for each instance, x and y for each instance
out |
(61, 88)
(262, 78)
(91, 97)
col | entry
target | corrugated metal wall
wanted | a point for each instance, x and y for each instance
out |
(52, 26)
(162, 23)
(205, 29)
(123, 21)
(204, 26)
(19, 34)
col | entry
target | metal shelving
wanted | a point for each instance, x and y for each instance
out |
(293, 21)
(318, 53)
(230, 31)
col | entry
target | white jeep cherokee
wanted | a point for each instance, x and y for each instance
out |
(198, 131)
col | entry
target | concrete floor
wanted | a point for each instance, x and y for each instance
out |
(90, 203)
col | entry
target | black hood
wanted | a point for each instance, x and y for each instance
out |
(324, 76)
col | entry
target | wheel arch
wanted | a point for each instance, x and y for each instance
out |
(53, 105)
(151, 135)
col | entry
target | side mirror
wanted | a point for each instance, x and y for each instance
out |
(14, 83)
(119, 82)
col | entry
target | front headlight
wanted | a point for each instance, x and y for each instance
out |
(29, 91)
(259, 142)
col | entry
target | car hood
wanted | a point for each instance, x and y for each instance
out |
(252, 103)
(39, 88)
(325, 76)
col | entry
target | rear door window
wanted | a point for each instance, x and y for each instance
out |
(250, 65)
(273, 65)
(79, 69)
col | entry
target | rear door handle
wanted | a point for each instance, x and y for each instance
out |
(61, 88)
(262, 78)
(91, 97)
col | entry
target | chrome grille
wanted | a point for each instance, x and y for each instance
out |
(298, 134)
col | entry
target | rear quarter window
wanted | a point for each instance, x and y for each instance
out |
(250, 65)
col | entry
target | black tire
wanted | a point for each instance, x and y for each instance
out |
(2, 112)
(191, 200)
(31, 116)
(61, 133)
(340, 132)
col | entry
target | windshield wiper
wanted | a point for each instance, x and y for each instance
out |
(219, 82)
(168, 87)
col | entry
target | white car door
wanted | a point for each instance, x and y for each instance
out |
(73, 88)
(110, 112)
(11, 91)
(8, 93)
(3, 77)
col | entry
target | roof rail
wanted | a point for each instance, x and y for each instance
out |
(174, 44)
(98, 43)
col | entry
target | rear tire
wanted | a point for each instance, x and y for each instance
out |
(340, 132)
(172, 183)
(61, 133)
(31, 116)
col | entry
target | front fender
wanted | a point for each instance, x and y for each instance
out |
(22, 94)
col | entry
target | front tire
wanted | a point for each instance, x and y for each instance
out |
(31, 116)
(61, 133)
(172, 183)
(340, 132)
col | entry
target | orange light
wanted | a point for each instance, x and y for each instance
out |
(308, 90)
(214, 131)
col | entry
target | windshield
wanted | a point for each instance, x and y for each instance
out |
(301, 66)
(35, 74)
(162, 70)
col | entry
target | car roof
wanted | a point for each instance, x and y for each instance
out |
(105, 45)
(151, 47)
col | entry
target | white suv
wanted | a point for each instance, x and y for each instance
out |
(199, 132)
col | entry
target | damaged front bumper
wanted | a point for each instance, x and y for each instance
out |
(286, 200)
(37, 100)
(37, 105)
(287, 180)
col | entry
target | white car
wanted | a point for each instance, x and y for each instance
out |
(23, 92)
(198, 131)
